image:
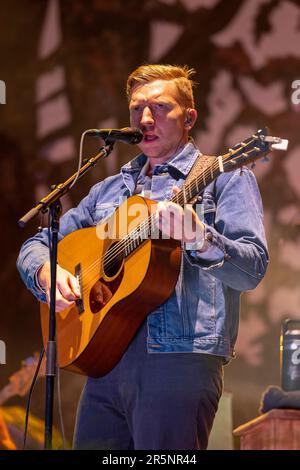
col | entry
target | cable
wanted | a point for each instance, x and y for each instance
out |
(61, 421)
(30, 395)
(79, 159)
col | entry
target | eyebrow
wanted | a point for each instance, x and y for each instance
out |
(152, 100)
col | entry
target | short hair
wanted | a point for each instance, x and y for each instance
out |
(180, 75)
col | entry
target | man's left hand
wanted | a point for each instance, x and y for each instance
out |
(180, 223)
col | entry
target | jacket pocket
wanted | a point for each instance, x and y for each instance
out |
(198, 302)
(206, 210)
(104, 210)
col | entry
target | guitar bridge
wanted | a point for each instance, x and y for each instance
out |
(79, 302)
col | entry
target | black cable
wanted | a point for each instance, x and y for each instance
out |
(61, 421)
(30, 394)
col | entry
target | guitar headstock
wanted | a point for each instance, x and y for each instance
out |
(251, 149)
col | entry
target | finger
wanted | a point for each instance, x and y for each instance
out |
(65, 290)
(193, 226)
(74, 285)
(161, 207)
(168, 208)
(172, 223)
(189, 208)
(171, 219)
(174, 214)
(193, 214)
(165, 226)
(63, 304)
(175, 190)
(60, 302)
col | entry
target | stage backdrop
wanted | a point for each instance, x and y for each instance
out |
(63, 69)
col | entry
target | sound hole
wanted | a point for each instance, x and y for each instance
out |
(113, 260)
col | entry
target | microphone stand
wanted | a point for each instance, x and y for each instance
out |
(52, 203)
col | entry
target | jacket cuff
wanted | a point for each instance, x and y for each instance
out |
(34, 284)
(214, 254)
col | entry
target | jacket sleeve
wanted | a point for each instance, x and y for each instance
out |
(35, 251)
(238, 233)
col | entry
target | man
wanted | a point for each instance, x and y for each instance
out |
(164, 392)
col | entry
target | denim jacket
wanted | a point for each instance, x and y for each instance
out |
(202, 314)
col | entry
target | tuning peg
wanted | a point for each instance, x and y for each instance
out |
(276, 142)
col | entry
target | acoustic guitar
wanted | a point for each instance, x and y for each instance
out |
(125, 272)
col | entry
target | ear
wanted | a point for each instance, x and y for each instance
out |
(190, 118)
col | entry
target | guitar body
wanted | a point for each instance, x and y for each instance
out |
(118, 291)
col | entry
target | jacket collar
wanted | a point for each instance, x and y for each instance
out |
(182, 161)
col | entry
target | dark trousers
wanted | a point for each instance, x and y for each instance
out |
(151, 401)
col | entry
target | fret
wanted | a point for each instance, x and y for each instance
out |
(126, 249)
(197, 186)
(175, 198)
(189, 188)
(144, 233)
(184, 195)
(211, 172)
(153, 225)
(181, 198)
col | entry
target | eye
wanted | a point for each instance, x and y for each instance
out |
(135, 109)
(159, 108)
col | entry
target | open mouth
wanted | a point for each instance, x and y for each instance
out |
(150, 138)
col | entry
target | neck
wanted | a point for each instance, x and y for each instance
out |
(163, 159)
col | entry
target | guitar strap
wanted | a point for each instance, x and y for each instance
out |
(201, 163)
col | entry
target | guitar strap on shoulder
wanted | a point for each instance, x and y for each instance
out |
(201, 163)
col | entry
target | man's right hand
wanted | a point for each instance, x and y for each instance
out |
(67, 287)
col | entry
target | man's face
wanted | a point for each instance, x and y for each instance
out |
(155, 109)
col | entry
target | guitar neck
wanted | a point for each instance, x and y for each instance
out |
(197, 184)
(241, 154)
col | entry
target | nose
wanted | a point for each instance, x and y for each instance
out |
(147, 118)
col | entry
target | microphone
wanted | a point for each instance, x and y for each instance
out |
(128, 135)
